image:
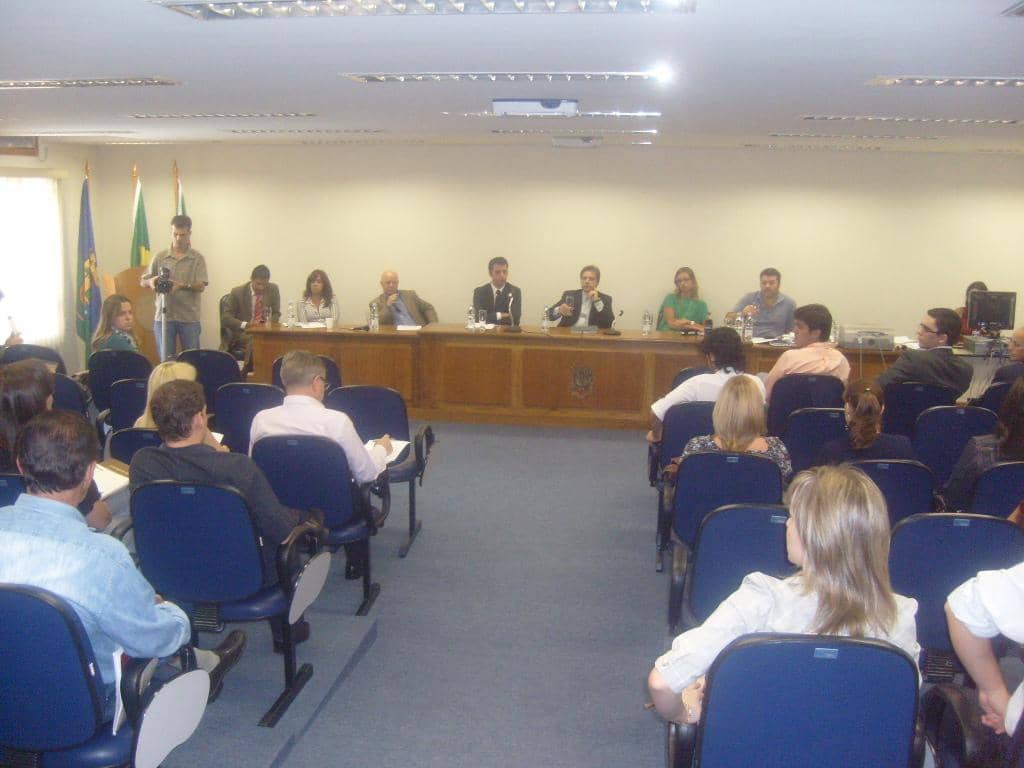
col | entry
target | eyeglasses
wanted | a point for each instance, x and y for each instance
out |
(925, 329)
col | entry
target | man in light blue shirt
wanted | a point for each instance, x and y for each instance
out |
(770, 310)
(44, 542)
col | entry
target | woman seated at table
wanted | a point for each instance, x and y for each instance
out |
(740, 426)
(116, 329)
(864, 403)
(160, 375)
(26, 390)
(838, 535)
(683, 310)
(318, 302)
(980, 453)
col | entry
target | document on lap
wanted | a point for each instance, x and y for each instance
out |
(397, 446)
(108, 481)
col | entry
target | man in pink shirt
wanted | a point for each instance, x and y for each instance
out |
(812, 324)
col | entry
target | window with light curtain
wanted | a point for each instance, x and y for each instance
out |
(32, 260)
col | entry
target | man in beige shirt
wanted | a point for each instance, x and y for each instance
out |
(812, 324)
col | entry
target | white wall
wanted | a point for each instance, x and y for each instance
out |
(875, 236)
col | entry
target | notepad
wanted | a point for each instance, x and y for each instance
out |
(397, 446)
(108, 481)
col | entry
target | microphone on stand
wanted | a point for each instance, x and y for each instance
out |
(514, 326)
(613, 331)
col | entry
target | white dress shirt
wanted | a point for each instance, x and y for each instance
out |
(704, 387)
(305, 415)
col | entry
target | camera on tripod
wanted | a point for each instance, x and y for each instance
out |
(163, 282)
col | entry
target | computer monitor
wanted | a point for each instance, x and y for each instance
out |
(991, 310)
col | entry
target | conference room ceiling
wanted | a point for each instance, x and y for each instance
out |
(799, 74)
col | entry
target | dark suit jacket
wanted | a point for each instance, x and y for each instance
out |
(483, 298)
(602, 319)
(938, 367)
(236, 308)
(1009, 373)
(422, 311)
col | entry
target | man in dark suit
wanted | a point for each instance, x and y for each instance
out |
(586, 306)
(502, 301)
(934, 363)
(257, 302)
(1012, 371)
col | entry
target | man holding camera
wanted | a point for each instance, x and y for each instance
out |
(178, 275)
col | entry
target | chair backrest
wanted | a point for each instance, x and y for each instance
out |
(999, 489)
(733, 541)
(196, 543)
(127, 402)
(777, 701)
(801, 390)
(992, 398)
(214, 369)
(707, 481)
(807, 431)
(27, 351)
(906, 401)
(222, 307)
(123, 443)
(68, 395)
(333, 372)
(237, 404)
(110, 365)
(309, 473)
(49, 679)
(683, 422)
(11, 487)
(688, 373)
(930, 555)
(374, 411)
(941, 432)
(908, 486)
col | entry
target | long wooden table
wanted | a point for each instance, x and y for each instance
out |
(553, 378)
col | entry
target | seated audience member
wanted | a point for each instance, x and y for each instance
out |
(116, 329)
(318, 300)
(257, 302)
(812, 324)
(26, 390)
(982, 452)
(723, 350)
(864, 403)
(770, 310)
(934, 363)
(160, 375)
(44, 543)
(740, 426)
(683, 310)
(987, 605)
(397, 307)
(838, 535)
(1013, 370)
(586, 306)
(502, 301)
(965, 326)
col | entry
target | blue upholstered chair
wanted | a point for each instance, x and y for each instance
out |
(11, 487)
(999, 489)
(214, 369)
(127, 403)
(908, 486)
(34, 351)
(992, 398)
(199, 547)
(123, 444)
(801, 390)
(777, 701)
(807, 431)
(51, 695)
(237, 404)
(110, 365)
(906, 401)
(941, 433)
(69, 395)
(376, 411)
(312, 473)
(333, 372)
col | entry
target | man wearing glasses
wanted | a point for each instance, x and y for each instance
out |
(934, 363)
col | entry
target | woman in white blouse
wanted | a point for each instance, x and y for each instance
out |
(318, 302)
(838, 535)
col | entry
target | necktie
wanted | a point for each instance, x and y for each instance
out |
(257, 310)
(497, 297)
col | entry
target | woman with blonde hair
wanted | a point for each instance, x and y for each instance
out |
(740, 426)
(683, 310)
(160, 375)
(837, 535)
(116, 329)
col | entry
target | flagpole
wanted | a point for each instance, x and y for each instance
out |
(177, 182)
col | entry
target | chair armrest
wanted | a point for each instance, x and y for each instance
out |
(422, 444)
(307, 536)
(381, 487)
(952, 722)
(680, 741)
(120, 529)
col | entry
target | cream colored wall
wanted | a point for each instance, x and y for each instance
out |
(875, 236)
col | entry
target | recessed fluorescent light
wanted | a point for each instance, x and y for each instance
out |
(84, 82)
(262, 9)
(377, 78)
(576, 142)
(833, 147)
(575, 131)
(222, 115)
(325, 142)
(1015, 81)
(852, 137)
(615, 114)
(899, 119)
(301, 131)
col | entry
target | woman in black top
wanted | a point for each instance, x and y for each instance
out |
(864, 403)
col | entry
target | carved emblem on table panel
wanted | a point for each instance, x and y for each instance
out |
(582, 383)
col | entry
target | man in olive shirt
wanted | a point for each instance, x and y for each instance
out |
(187, 280)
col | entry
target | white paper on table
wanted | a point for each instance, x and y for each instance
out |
(408, 327)
(397, 446)
(903, 341)
(314, 324)
(108, 481)
(760, 340)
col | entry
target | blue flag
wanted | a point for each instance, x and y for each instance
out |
(87, 314)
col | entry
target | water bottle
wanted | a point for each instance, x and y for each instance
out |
(834, 336)
(470, 320)
(292, 322)
(374, 324)
(646, 322)
(709, 324)
(544, 323)
(748, 328)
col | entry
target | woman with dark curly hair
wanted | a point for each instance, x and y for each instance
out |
(318, 302)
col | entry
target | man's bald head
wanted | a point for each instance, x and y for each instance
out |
(389, 282)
